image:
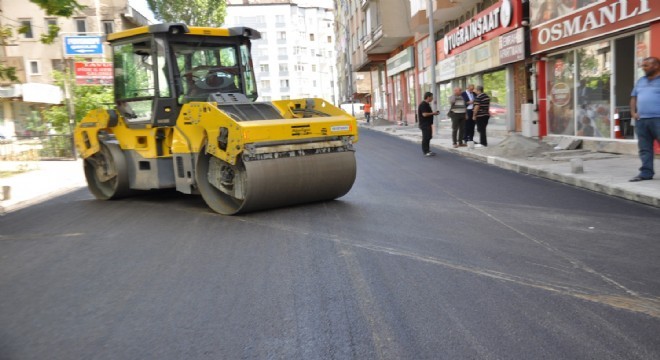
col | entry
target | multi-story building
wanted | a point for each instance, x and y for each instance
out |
(295, 56)
(22, 102)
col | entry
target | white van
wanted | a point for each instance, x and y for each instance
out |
(355, 109)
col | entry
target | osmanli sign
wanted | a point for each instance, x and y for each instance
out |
(593, 21)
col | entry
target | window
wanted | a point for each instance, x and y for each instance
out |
(284, 67)
(313, 67)
(81, 26)
(281, 51)
(26, 29)
(265, 84)
(50, 21)
(311, 37)
(279, 19)
(108, 26)
(312, 52)
(329, 39)
(57, 64)
(281, 35)
(34, 67)
(263, 67)
(284, 83)
(286, 97)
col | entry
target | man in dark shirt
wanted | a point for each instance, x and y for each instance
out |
(482, 114)
(425, 115)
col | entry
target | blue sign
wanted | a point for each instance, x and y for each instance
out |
(83, 45)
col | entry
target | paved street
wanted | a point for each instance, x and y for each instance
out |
(425, 258)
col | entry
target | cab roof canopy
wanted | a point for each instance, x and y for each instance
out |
(180, 28)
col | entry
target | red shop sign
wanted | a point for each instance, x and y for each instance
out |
(94, 73)
(496, 20)
(603, 18)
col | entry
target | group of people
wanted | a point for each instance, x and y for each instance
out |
(468, 109)
(471, 107)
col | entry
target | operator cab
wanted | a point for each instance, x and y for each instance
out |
(159, 68)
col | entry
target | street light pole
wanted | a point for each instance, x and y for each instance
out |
(429, 7)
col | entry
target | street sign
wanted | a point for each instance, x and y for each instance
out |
(83, 45)
(93, 73)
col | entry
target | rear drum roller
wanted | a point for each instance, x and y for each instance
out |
(264, 184)
(106, 173)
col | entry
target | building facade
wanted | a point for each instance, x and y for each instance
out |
(295, 56)
(21, 103)
(587, 55)
(488, 49)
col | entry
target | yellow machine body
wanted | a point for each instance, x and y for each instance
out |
(174, 128)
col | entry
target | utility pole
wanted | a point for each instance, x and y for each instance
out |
(429, 11)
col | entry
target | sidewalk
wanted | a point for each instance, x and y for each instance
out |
(39, 181)
(603, 172)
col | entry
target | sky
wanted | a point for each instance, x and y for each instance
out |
(142, 7)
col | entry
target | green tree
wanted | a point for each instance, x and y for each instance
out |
(192, 12)
(88, 97)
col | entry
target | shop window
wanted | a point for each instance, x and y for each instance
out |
(593, 92)
(495, 86)
(560, 94)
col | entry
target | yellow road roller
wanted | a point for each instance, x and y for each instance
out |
(186, 117)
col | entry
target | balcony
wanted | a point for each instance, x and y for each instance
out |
(444, 10)
(389, 29)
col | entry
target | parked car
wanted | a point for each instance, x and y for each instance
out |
(497, 111)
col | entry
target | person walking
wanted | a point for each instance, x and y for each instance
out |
(367, 111)
(425, 115)
(457, 114)
(468, 97)
(481, 114)
(645, 109)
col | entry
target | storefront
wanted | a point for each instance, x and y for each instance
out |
(401, 85)
(487, 50)
(588, 55)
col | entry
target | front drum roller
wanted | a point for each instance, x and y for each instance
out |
(106, 173)
(264, 184)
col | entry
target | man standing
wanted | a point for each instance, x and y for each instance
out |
(481, 114)
(457, 112)
(425, 114)
(645, 108)
(468, 97)
(367, 111)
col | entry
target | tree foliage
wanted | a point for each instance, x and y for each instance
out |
(192, 12)
(87, 97)
(64, 8)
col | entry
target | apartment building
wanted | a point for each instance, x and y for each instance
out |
(35, 62)
(295, 56)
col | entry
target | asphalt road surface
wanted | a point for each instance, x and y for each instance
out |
(425, 258)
